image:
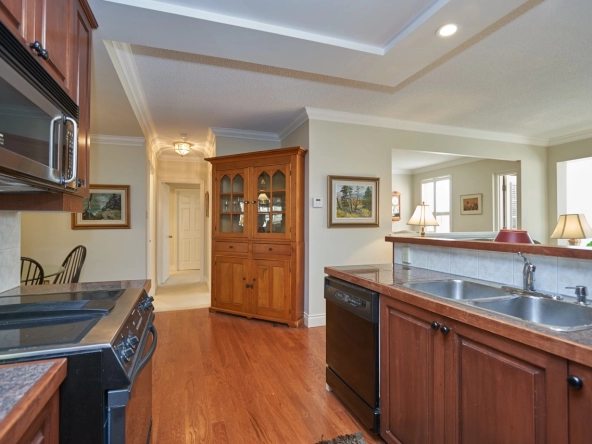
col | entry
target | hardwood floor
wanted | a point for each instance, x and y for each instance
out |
(225, 379)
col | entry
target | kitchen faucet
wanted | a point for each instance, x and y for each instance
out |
(527, 273)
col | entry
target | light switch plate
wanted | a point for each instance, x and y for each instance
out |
(406, 255)
(317, 202)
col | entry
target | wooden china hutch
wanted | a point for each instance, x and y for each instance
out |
(258, 235)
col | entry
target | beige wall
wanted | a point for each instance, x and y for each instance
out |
(10, 249)
(357, 150)
(111, 254)
(234, 145)
(561, 153)
(469, 178)
(403, 183)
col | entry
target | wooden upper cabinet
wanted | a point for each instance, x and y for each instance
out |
(12, 14)
(54, 30)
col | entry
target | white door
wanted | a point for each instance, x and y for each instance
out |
(166, 233)
(188, 222)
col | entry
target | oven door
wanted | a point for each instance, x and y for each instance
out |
(130, 409)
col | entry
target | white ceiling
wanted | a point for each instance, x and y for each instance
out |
(407, 161)
(515, 67)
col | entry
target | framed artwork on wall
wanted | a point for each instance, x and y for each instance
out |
(106, 207)
(396, 206)
(353, 201)
(471, 204)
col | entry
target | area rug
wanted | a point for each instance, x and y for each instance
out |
(356, 438)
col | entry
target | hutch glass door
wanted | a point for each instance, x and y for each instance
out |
(232, 203)
(272, 202)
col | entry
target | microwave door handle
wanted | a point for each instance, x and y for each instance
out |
(54, 148)
(74, 151)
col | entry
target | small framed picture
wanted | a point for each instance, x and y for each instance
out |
(471, 204)
(396, 206)
(353, 201)
(106, 207)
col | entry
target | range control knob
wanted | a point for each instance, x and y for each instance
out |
(146, 303)
(132, 340)
(126, 353)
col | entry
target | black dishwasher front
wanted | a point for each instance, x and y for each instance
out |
(352, 348)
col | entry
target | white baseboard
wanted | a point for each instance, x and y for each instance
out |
(315, 320)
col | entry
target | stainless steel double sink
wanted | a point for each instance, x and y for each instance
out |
(538, 309)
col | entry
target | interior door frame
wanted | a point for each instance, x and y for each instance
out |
(162, 212)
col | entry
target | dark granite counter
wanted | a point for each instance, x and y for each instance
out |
(82, 286)
(25, 390)
(575, 346)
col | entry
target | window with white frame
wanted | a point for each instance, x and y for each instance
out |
(435, 192)
(507, 200)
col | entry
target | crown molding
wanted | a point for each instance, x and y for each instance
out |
(300, 118)
(122, 58)
(581, 135)
(105, 139)
(407, 125)
(246, 134)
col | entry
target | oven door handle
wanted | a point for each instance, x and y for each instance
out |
(148, 356)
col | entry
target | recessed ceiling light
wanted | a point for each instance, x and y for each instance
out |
(447, 30)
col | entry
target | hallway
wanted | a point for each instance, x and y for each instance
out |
(182, 291)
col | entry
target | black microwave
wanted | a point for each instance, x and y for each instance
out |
(38, 125)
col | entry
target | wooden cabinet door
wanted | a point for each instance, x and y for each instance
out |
(271, 291)
(501, 391)
(411, 372)
(230, 274)
(53, 29)
(80, 75)
(230, 204)
(580, 405)
(12, 14)
(272, 211)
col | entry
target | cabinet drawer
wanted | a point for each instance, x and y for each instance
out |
(235, 247)
(281, 249)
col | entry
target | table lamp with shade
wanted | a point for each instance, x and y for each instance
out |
(572, 227)
(423, 217)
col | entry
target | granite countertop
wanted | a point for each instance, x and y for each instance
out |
(16, 381)
(81, 286)
(576, 346)
(25, 389)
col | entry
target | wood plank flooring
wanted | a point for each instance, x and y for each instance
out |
(225, 379)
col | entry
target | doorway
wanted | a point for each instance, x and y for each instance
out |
(181, 230)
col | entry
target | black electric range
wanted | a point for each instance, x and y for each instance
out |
(108, 337)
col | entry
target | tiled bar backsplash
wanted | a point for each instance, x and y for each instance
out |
(10, 249)
(552, 274)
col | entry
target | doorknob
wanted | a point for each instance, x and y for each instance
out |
(170, 237)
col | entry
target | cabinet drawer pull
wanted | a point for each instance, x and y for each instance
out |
(574, 382)
(435, 325)
(270, 249)
(230, 247)
(444, 330)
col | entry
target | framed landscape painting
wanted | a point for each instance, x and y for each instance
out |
(107, 207)
(353, 201)
(471, 204)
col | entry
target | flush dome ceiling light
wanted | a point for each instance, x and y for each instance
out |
(182, 147)
(447, 30)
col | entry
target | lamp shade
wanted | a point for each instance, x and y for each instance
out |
(423, 216)
(514, 237)
(572, 226)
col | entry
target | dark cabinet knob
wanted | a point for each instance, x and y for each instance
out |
(444, 330)
(36, 46)
(435, 325)
(44, 54)
(574, 382)
(254, 201)
(230, 246)
(270, 249)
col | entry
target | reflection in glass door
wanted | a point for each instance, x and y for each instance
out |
(232, 204)
(271, 202)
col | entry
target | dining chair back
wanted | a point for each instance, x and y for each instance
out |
(31, 272)
(72, 266)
